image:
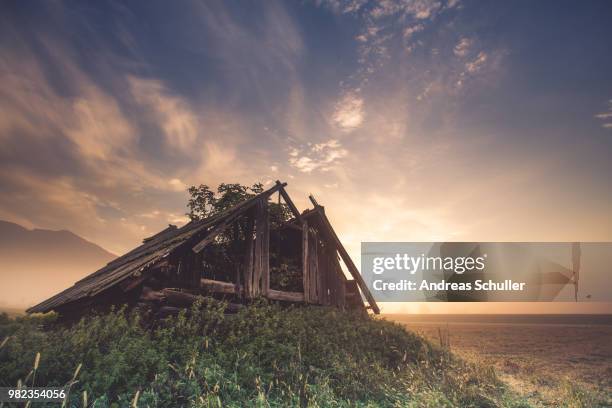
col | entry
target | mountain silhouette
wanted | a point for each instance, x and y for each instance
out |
(35, 264)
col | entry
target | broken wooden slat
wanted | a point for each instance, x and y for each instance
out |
(177, 298)
(150, 295)
(216, 286)
(285, 296)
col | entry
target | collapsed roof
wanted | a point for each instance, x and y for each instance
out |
(324, 282)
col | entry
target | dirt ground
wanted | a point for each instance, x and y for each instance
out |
(539, 359)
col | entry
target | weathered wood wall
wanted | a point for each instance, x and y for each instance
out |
(323, 281)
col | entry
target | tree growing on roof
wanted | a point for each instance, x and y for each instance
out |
(204, 202)
(225, 252)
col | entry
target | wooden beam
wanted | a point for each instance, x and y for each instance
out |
(177, 298)
(248, 258)
(347, 259)
(259, 248)
(150, 295)
(131, 283)
(305, 274)
(228, 288)
(341, 282)
(313, 201)
(216, 286)
(210, 237)
(291, 226)
(288, 201)
(285, 296)
(316, 279)
(265, 261)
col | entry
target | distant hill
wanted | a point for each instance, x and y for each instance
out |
(35, 264)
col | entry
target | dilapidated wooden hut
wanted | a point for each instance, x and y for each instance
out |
(299, 260)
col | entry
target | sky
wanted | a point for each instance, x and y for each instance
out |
(408, 120)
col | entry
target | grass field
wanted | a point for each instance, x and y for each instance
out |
(268, 356)
(541, 357)
(263, 356)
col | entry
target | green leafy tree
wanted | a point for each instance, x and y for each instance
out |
(225, 253)
(204, 202)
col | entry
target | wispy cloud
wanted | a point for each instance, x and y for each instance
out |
(606, 117)
(463, 47)
(320, 156)
(171, 113)
(349, 112)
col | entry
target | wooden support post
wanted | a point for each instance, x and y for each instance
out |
(327, 280)
(261, 271)
(305, 274)
(257, 256)
(265, 267)
(289, 202)
(335, 265)
(316, 284)
(346, 258)
(248, 258)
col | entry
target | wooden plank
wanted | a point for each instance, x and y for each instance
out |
(259, 248)
(347, 259)
(150, 295)
(216, 286)
(210, 237)
(326, 279)
(341, 281)
(131, 283)
(323, 278)
(338, 283)
(265, 261)
(316, 286)
(285, 296)
(305, 274)
(292, 207)
(177, 298)
(237, 265)
(291, 226)
(248, 258)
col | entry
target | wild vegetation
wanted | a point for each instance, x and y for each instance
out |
(262, 356)
(225, 253)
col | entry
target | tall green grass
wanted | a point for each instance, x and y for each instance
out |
(264, 356)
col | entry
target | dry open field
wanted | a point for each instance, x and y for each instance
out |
(540, 356)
